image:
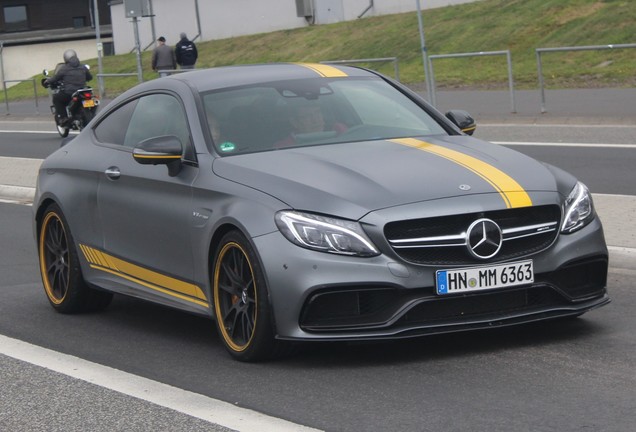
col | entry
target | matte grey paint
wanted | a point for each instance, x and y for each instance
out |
(167, 224)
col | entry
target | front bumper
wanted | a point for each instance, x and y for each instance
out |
(318, 296)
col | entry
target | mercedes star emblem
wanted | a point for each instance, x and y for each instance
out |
(484, 239)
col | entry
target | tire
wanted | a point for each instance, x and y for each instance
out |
(63, 131)
(243, 315)
(60, 269)
(87, 116)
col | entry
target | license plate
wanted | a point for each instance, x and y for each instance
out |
(469, 279)
(88, 103)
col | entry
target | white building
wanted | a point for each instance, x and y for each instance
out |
(220, 19)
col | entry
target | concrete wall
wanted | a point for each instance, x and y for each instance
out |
(219, 19)
(222, 19)
(41, 56)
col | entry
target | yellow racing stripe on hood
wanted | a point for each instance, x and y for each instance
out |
(324, 70)
(511, 192)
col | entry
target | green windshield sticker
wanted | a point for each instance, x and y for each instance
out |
(227, 146)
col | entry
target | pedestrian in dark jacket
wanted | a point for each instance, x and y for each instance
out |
(70, 76)
(186, 52)
(163, 58)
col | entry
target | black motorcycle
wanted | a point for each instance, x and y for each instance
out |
(80, 110)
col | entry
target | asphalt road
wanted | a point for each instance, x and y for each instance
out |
(561, 376)
(568, 375)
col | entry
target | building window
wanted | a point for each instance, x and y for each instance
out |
(79, 22)
(15, 18)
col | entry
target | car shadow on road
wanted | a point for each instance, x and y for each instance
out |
(450, 345)
(141, 329)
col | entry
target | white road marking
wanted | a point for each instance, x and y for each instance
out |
(35, 132)
(189, 403)
(27, 132)
(553, 144)
(569, 126)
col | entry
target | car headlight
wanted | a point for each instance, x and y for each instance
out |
(579, 210)
(325, 234)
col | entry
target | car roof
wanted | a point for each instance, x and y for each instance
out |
(204, 80)
(232, 76)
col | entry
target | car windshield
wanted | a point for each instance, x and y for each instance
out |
(294, 113)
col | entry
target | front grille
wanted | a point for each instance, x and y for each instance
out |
(442, 240)
(338, 311)
(581, 279)
(480, 305)
(352, 307)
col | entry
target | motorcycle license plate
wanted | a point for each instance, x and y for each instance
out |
(88, 103)
(484, 277)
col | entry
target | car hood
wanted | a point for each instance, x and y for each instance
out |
(351, 179)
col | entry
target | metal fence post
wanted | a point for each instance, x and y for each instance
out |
(4, 84)
(433, 97)
(511, 83)
(35, 95)
(513, 108)
(541, 83)
(561, 49)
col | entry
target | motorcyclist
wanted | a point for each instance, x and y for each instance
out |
(72, 76)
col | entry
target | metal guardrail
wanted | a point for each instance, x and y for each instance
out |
(433, 100)
(5, 81)
(6, 95)
(101, 76)
(394, 60)
(538, 52)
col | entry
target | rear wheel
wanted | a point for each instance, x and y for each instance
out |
(243, 315)
(87, 116)
(60, 268)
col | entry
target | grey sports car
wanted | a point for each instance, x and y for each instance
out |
(305, 202)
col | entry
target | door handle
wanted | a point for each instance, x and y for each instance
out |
(112, 173)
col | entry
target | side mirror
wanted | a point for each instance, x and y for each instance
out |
(45, 72)
(462, 120)
(87, 67)
(161, 150)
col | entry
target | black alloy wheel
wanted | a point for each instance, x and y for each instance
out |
(242, 312)
(60, 268)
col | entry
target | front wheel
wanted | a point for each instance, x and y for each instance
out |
(243, 315)
(63, 130)
(60, 268)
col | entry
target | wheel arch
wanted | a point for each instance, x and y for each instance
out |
(215, 241)
(39, 214)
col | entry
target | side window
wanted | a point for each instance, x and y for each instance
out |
(112, 129)
(157, 115)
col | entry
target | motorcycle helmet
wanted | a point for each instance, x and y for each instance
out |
(69, 54)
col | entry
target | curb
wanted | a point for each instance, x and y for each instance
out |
(17, 193)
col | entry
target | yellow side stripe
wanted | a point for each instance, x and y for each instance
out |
(151, 279)
(139, 156)
(324, 70)
(153, 287)
(511, 192)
